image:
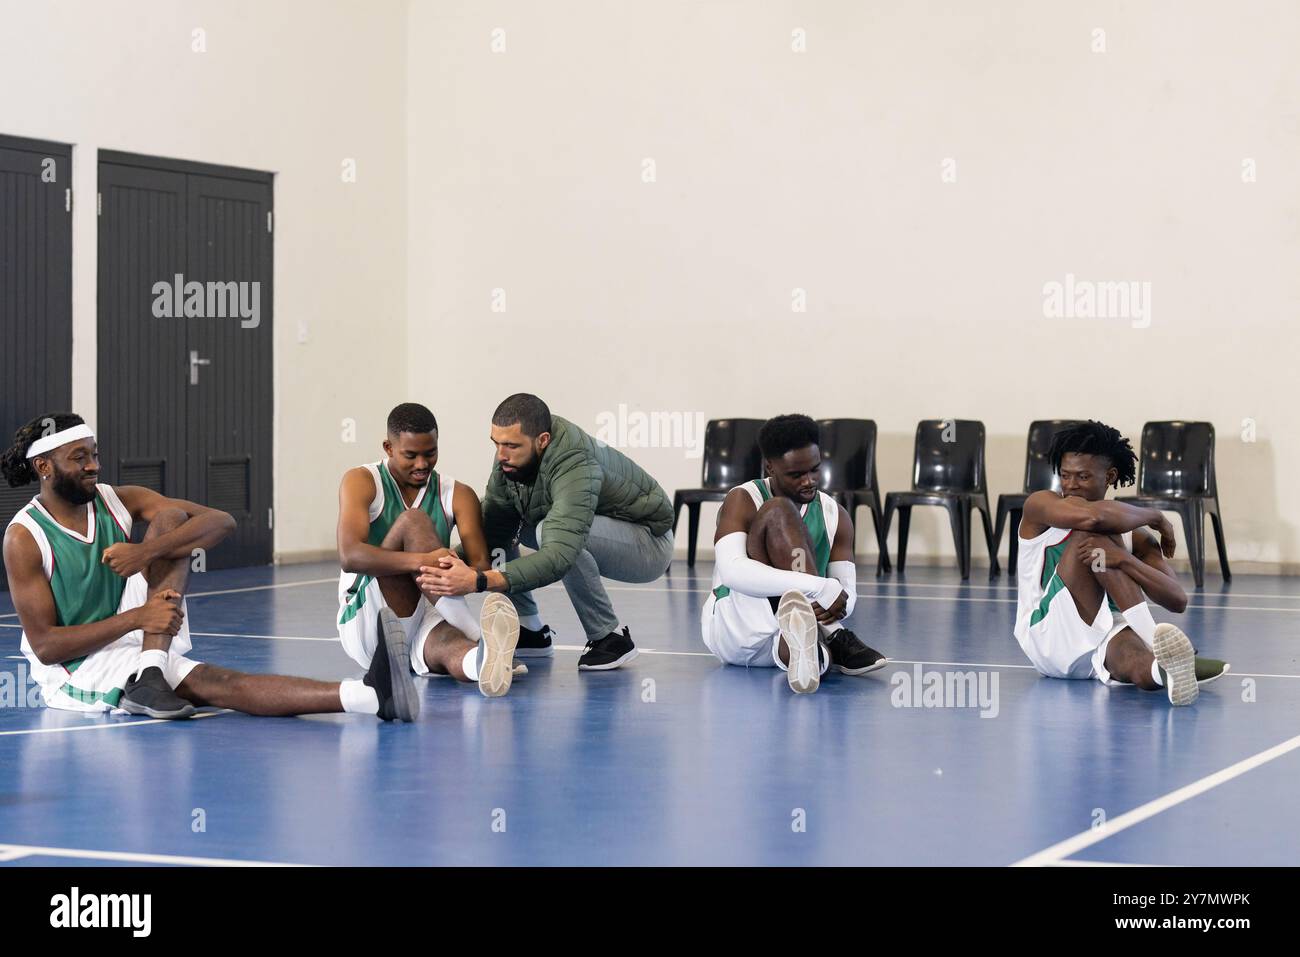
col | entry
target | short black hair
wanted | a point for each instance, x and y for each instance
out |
(14, 464)
(785, 433)
(532, 414)
(411, 417)
(1095, 438)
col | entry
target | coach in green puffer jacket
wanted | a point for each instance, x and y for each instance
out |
(588, 510)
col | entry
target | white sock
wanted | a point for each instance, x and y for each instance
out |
(358, 697)
(1140, 620)
(455, 611)
(153, 658)
(531, 622)
(1155, 673)
(470, 662)
(828, 630)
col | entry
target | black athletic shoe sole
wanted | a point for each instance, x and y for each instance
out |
(406, 699)
(610, 666)
(547, 652)
(861, 671)
(133, 707)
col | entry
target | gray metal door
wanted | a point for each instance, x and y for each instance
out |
(185, 370)
(35, 293)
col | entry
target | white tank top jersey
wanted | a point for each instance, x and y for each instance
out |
(1036, 580)
(821, 527)
(446, 492)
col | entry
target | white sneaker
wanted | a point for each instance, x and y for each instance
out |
(1177, 661)
(798, 624)
(500, 625)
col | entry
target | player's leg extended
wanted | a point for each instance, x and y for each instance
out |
(270, 695)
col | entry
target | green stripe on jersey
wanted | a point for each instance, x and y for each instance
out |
(85, 589)
(394, 506)
(815, 521)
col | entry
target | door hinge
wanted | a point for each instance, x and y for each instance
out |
(99, 204)
(270, 518)
(268, 220)
(67, 200)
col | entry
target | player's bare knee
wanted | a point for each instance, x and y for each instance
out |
(165, 521)
(415, 527)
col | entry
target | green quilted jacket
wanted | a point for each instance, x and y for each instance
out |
(579, 479)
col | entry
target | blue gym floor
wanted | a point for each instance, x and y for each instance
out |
(719, 767)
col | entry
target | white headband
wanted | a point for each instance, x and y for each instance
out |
(49, 442)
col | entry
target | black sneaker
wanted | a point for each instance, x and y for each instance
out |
(535, 644)
(150, 694)
(605, 654)
(390, 671)
(850, 656)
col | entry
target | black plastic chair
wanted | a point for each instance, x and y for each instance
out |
(848, 473)
(951, 474)
(1039, 475)
(1176, 474)
(731, 458)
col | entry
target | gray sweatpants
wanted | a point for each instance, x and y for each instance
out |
(621, 551)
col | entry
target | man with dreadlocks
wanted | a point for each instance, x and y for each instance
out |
(103, 618)
(1086, 569)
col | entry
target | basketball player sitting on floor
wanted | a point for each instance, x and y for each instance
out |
(1086, 569)
(782, 536)
(103, 619)
(395, 516)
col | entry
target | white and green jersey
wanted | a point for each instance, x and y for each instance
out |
(1037, 582)
(434, 498)
(85, 589)
(821, 517)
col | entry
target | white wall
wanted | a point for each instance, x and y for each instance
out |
(776, 170)
(822, 171)
(291, 87)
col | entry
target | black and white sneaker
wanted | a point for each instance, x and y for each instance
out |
(850, 656)
(606, 654)
(535, 644)
(148, 693)
(390, 671)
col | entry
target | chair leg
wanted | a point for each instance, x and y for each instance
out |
(1216, 521)
(904, 521)
(882, 530)
(1194, 529)
(994, 569)
(693, 522)
(884, 525)
(1001, 521)
(1013, 542)
(882, 539)
(959, 519)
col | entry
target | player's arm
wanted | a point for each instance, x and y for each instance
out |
(1046, 509)
(356, 555)
(34, 601)
(469, 523)
(1147, 566)
(741, 573)
(843, 570)
(203, 528)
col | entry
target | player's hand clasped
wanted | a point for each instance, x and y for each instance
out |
(127, 558)
(834, 613)
(450, 576)
(162, 613)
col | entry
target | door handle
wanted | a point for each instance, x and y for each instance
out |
(195, 362)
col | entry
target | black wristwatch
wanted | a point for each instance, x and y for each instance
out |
(480, 582)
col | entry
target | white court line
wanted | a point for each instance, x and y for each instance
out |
(120, 724)
(27, 850)
(1063, 849)
(225, 634)
(1078, 863)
